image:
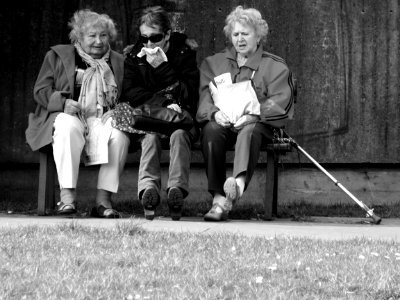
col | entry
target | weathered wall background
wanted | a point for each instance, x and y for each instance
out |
(345, 55)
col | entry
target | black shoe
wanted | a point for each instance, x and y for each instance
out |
(150, 201)
(103, 212)
(175, 203)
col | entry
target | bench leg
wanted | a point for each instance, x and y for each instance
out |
(271, 187)
(47, 173)
(275, 195)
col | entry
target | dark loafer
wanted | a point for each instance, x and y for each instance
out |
(150, 201)
(217, 213)
(175, 203)
(103, 212)
(65, 209)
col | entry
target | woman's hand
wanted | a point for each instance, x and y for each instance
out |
(72, 107)
(175, 107)
(156, 59)
(222, 119)
(245, 120)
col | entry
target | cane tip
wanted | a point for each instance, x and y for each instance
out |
(377, 220)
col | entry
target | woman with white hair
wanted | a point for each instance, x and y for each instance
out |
(240, 115)
(76, 90)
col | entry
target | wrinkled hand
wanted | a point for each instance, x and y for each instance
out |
(222, 119)
(72, 107)
(156, 59)
(175, 107)
(245, 120)
(107, 115)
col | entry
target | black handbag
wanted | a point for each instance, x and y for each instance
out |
(150, 118)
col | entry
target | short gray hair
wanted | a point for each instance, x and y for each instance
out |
(248, 16)
(82, 19)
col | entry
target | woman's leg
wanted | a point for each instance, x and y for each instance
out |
(149, 184)
(215, 140)
(68, 143)
(109, 173)
(179, 165)
(247, 151)
(179, 168)
(149, 167)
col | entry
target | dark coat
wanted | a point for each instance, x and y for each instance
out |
(142, 81)
(55, 84)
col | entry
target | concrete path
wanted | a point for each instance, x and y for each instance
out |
(316, 227)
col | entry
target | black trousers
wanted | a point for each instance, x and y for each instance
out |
(217, 140)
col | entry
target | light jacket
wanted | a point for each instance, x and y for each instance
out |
(55, 84)
(273, 84)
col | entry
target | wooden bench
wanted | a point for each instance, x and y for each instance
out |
(48, 175)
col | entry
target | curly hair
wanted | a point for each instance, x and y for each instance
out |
(248, 16)
(84, 19)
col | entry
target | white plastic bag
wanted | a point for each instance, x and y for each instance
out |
(235, 99)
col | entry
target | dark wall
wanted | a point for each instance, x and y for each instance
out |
(343, 53)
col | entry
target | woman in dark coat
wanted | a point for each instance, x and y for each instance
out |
(162, 70)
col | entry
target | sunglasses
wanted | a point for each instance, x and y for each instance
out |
(153, 38)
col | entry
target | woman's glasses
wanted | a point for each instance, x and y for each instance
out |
(153, 38)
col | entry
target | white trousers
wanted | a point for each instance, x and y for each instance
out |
(68, 143)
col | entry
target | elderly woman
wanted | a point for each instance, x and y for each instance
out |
(248, 121)
(161, 70)
(76, 90)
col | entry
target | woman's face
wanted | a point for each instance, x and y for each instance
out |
(152, 37)
(95, 41)
(244, 39)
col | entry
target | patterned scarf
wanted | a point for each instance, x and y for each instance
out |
(98, 91)
(98, 85)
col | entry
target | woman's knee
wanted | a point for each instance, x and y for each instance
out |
(212, 131)
(67, 125)
(120, 138)
(179, 135)
(151, 140)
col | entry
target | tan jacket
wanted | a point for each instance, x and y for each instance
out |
(272, 81)
(55, 84)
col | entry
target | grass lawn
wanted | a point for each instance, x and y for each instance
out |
(127, 262)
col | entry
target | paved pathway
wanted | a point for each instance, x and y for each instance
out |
(320, 228)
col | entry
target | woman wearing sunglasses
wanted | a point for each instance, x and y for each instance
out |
(161, 69)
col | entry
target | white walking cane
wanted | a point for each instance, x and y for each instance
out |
(370, 212)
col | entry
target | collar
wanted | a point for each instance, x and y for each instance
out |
(252, 62)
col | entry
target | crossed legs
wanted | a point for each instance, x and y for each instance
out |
(216, 140)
